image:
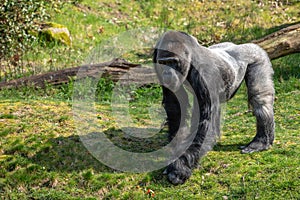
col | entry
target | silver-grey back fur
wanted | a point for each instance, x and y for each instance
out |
(214, 74)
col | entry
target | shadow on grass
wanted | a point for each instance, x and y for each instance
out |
(282, 26)
(70, 154)
(67, 154)
(287, 67)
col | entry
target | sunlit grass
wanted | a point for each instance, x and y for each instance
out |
(42, 156)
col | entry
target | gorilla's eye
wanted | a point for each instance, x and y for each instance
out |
(170, 61)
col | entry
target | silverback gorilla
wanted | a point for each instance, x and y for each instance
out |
(214, 74)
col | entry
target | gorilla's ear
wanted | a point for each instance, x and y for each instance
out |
(154, 55)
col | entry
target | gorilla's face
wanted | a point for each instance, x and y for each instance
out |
(172, 61)
(169, 69)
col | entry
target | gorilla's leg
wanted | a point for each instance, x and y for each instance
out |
(261, 97)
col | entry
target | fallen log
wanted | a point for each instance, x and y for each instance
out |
(114, 69)
(280, 43)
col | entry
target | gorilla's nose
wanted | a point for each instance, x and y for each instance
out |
(167, 77)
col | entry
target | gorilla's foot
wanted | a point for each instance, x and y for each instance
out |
(255, 146)
(178, 172)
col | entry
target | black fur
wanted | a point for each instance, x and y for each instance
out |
(213, 75)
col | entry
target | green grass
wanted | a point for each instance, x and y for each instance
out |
(42, 157)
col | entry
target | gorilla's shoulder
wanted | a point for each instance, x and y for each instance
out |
(222, 45)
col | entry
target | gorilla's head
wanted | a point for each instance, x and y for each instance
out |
(172, 58)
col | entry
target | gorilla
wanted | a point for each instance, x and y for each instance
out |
(213, 74)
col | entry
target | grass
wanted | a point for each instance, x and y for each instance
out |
(42, 157)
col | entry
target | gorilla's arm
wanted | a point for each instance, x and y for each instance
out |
(207, 126)
(214, 75)
(175, 105)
